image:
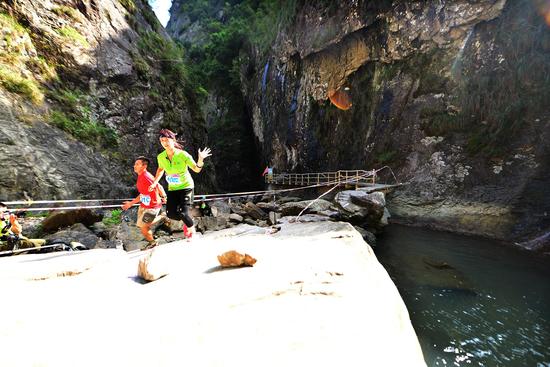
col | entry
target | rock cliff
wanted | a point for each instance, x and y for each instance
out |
(450, 94)
(85, 86)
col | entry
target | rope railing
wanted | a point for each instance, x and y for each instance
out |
(198, 198)
(341, 176)
(313, 180)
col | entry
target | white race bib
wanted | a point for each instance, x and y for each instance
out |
(173, 179)
(145, 199)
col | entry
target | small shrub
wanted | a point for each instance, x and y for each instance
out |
(70, 99)
(114, 219)
(141, 66)
(37, 214)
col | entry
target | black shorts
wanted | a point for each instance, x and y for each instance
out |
(179, 202)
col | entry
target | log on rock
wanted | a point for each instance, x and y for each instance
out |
(233, 259)
(151, 267)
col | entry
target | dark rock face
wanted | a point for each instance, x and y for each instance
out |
(39, 161)
(433, 97)
(99, 86)
(77, 232)
(62, 219)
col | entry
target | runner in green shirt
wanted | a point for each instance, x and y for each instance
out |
(176, 163)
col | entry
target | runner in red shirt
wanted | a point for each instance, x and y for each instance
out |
(150, 202)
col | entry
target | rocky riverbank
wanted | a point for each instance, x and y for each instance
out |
(100, 229)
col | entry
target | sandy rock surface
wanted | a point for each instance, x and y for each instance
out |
(316, 296)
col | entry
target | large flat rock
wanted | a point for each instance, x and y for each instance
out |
(317, 296)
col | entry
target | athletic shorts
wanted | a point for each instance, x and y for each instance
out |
(146, 216)
(179, 202)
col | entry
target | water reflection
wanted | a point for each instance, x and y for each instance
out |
(472, 302)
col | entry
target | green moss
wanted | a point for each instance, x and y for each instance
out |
(155, 96)
(386, 156)
(41, 66)
(129, 5)
(74, 116)
(37, 214)
(443, 124)
(9, 21)
(15, 83)
(85, 129)
(63, 10)
(72, 34)
(70, 99)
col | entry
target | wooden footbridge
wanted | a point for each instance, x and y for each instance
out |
(360, 179)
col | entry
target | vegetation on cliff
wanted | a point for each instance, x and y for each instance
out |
(38, 64)
(229, 27)
(216, 63)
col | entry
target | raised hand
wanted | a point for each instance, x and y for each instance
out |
(205, 153)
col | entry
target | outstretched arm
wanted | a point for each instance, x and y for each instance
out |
(158, 176)
(127, 204)
(203, 154)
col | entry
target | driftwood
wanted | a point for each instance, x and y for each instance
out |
(150, 270)
(233, 258)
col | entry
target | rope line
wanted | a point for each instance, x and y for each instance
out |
(32, 202)
(9, 252)
(203, 198)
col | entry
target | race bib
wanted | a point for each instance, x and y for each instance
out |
(173, 179)
(145, 199)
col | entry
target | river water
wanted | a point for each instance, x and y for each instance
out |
(472, 301)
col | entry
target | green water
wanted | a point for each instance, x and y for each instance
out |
(472, 301)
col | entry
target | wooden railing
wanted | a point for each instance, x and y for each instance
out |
(343, 177)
